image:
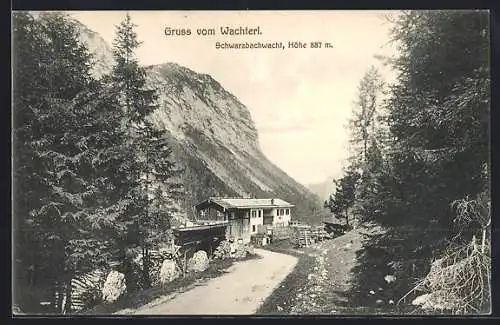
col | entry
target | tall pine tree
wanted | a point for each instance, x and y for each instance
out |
(64, 134)
(152, 166)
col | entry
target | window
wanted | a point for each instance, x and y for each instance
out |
(287, 211)
(260, 213)
(253, 228)
(254, 214)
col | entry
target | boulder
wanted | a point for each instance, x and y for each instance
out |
(169, 271)
(16, 310)
(420, 300)
(435, 301)
(389, 278)
(233, 248)
(199, 262)
(241, 251)
(250, 250)
(223, 250)
(114, 286)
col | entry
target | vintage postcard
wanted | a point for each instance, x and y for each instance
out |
(251, 162)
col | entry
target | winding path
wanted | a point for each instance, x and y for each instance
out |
(239, 292)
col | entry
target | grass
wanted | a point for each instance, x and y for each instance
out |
(135, 300)
(332, 297)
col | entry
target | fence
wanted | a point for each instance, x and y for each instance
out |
(304, 235)
(275, 232)
(301, 235)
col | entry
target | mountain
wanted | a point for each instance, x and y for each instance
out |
(213, 137)
(103, 55)
(323, 189)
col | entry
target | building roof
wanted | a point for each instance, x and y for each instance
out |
(204, 226)
(241, 203)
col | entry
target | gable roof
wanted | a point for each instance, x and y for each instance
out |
(241, 203)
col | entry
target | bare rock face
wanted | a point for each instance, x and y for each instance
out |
(212, 135)
(169, 271)
(199, 262)
(114, 286)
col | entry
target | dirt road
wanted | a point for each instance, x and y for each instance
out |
(239, 292)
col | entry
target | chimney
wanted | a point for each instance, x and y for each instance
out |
(272, 201)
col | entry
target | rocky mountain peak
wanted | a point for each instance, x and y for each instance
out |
(212, 134)
(189, 100)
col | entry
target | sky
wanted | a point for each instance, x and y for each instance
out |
(299, 98)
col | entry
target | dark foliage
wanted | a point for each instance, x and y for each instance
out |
(432, 148)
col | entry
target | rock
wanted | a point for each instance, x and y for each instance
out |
(389, 278)
(250, 250)
(372, 292)
(169, 271)
(114, 286)
(241, 251)
(279, 308)
(310, 276)
(223, 250)
(420, 300)
(233, 247)
(312, 295)
(378, 302)
(433, 301)
(199, 262)
(380, 289)
(437, 301)
(391, 302)
(16, 310)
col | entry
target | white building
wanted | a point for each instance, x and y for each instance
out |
(245, 215)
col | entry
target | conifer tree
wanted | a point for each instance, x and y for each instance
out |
(65, 136)
(152, 163)
(344, 196)
(363, 125)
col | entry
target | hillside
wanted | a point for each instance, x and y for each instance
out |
(213, 136)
